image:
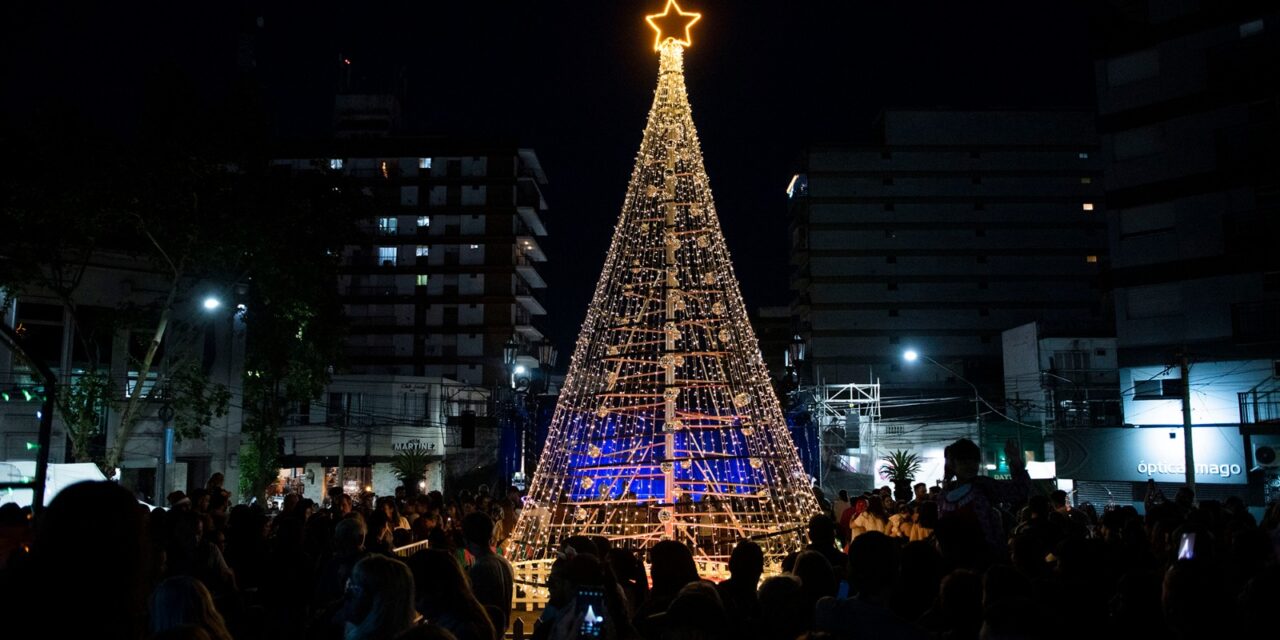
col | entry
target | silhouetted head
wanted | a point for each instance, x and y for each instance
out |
(747, 562)
(822, 530)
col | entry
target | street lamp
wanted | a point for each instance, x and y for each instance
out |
(509, 352)
(211, 304)
(911, 355)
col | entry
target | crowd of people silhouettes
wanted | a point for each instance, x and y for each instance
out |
(971, 558)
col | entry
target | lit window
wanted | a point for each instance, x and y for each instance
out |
(424, 163)
(475, 246)
(1088, 206)
(423, 250)
(1091, 259)
(385, 172)
(1086, 180)
(387, 255)
(424, 221)
(387, 226)
(335, 164)
(1083, 155)
(423, 279)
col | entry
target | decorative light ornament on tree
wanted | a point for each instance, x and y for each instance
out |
(667, 425)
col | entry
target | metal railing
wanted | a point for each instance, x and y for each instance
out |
(1259, 406)
(409, 549)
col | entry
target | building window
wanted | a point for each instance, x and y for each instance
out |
(982, 259)
(888, 206)
(1086, 180)
(423, 279)
(980, 232)
(983, 311)
(885, 155)
(1083, 155)
(335, 164)
(475, 246)
(424, 163)
(889, 233)
(979, 206)
(888, 182)
(894, 339)
(423, 251)
(387, 255)
(387, 226)
(975, 154)
(1091, 259)
(891, 259)
(976, 180)
(1087, 206)
(983, 284)
(424, 221)
(893, 313)
(986, 339)
(893, 286)
(1159, 389)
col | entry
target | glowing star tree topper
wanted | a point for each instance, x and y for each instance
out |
(672, 25)
(667, 426)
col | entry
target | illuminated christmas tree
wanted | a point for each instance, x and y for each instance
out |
(667, 426)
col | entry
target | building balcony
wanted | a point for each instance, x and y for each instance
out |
(531, 304)
(1260, 406)
(528, 247)
(532, 220)
(529, 273)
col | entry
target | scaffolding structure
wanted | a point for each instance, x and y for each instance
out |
(848, 421)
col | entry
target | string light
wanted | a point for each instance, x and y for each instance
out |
(667, 426)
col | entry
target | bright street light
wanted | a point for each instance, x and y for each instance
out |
(910, 355)
(520, 370)
(211, 303)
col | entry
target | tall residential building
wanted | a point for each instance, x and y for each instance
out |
(445, 273)
(1189, 112)
(956, 226)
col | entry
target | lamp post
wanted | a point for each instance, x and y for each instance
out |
(794, 357)
(166, 455)
(911, 355)
(212, 303)
(526, 385)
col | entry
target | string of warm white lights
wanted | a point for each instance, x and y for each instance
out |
(667, 426)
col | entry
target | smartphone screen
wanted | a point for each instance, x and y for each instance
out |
(590, 603)
(1187, 547)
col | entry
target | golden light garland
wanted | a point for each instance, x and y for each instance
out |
(667, 426)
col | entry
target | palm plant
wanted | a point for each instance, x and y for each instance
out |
(900, 468)
(410, 466)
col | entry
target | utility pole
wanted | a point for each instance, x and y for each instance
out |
(1189, 449)
(342, 450)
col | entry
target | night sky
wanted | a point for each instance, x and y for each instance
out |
(573, 80)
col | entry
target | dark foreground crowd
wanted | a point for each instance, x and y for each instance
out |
(976, 558)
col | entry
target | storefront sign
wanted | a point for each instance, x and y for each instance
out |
(1155, 453)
